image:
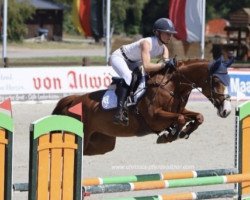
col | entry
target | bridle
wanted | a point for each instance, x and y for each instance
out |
(215, 94)
(213, 97)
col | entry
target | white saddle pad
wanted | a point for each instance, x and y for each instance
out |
(109, 99)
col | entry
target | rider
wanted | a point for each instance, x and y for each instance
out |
(129, 57)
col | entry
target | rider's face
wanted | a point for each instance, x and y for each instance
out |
(165, 36)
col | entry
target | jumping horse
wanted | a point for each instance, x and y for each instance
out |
(161, 110)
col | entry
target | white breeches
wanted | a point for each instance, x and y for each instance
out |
(122, 67)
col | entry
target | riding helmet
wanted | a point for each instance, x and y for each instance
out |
(164, 25)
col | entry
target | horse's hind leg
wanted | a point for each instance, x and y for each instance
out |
(99, 144)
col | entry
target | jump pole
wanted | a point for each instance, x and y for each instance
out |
(185, 196)
(150, 185)
(144, 177)
(160, 176)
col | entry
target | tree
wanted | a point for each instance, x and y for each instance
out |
(133, 19)
(152, 11)
(118, 15)
(224, 7)
(137, 16)
(16, 19)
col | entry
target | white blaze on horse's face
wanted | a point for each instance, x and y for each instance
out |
(225, 108)
(220, 98)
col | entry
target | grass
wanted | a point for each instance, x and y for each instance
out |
(57, 61)
(69, 42)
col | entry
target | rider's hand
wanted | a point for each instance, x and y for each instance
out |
(170, 63)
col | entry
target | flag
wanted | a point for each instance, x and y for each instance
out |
(87, 17)
(187, 16)
(5, 107)
(77, 109)
(81, 16)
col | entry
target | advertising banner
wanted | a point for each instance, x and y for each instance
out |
(240, 84)
(53, 83)
(49, 83)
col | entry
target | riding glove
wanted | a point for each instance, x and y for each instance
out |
(170, 63)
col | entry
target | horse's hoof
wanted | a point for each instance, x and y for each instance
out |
(184, 135)
(162, 139)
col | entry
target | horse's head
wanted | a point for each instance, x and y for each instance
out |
(216, 89)
(211, 79)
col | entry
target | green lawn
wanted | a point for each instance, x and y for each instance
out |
(56, 61)
(69, 42)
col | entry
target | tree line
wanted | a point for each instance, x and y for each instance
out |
(128, 17)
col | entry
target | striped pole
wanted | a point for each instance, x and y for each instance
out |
(144, 177)
(156, 177)
(186, 196)
(150, 185)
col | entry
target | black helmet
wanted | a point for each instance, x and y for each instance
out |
(164, 25)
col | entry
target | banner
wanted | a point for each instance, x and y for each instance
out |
(53, 83)
(240, 84)
(50, 83)
(187, 16)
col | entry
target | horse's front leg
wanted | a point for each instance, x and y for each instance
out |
(179, 118)
(195, 120)
(171, 133)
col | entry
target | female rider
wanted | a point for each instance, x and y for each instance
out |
(129, 57)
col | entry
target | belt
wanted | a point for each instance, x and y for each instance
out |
(125, 56)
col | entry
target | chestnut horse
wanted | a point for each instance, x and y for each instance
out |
(161, 108)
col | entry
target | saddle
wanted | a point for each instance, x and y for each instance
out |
(136, 91)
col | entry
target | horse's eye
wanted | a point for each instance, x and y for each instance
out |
(216, 81)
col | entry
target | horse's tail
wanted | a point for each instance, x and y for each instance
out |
(63, 105)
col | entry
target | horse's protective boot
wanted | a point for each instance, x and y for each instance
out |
(121, 116)
(169, 135)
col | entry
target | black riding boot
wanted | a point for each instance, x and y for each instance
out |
(121, 116)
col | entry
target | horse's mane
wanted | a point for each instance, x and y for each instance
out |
(191, 61)
(181, 63)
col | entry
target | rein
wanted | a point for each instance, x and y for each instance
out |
(158, 85)
(190, 83)
(213, 92)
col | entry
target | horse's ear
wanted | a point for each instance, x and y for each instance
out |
(214, 65)
(230, 62)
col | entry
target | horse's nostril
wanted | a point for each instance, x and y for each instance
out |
(224, 113)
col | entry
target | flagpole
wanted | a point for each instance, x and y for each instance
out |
(5, 11)
(107, 31)
(203, 29)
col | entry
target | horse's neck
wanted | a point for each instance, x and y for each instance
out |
(156, 78)
(190, 72)
(195, 72)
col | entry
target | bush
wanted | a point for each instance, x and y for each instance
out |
(17, 14)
